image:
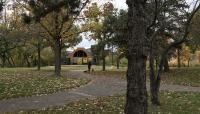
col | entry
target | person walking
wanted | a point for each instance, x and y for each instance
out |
(89, 66)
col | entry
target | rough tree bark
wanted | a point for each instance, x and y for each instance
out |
(57, 45)
(57, 56)
(136, 97)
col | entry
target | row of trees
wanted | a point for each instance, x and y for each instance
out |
(25, 44)
(168, 19)
(150, 29)
(142, 34)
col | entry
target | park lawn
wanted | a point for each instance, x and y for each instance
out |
(64, 68)
(171, 103)
(183, 76)
(27, 82)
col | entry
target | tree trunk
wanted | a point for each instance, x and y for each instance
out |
(136, 96)
(39, 57)
(3, 60)
(154, 90)
(27, 61)
(118, 62)
(153, 83)
(160, 69)
(166, 65)
(9, 62)
(156, 64)
(104, 64)
(112, 55)
(103, 58)
(178, 57)
(57, 56)
(13, 62)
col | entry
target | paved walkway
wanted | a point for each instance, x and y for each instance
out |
(99, 86)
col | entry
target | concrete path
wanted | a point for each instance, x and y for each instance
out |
(99, 86)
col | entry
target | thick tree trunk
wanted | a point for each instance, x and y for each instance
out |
(57, 56)
(136, 97)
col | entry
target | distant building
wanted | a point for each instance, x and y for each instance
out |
(79, 56)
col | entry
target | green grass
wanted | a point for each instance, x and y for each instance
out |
(172, 103)
(183, 76)
(16, 83)
(64, 68)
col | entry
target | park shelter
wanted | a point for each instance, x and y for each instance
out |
(80, 56)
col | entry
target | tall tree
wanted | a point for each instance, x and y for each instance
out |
(194, 42)
(14, 34)
(57, 18)
(96, 24)
(136, 97)
(180, 36)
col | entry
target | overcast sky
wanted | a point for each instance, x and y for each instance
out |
(120, 4)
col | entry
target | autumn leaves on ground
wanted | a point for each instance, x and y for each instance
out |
(26, 83)
(17, 83)
(172, 103)
(136, 42)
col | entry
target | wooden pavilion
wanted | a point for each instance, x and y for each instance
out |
(80, 56)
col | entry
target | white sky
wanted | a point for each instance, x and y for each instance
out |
(120, 4)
